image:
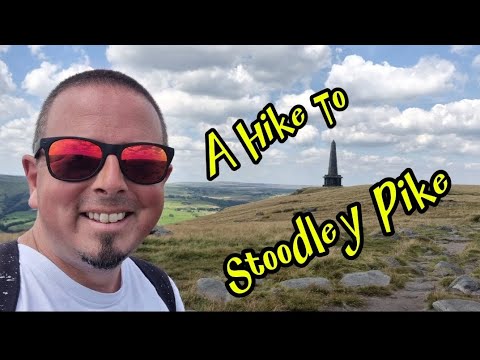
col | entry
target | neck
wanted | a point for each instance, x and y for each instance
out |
(106, 281)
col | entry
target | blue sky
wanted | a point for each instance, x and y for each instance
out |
(409, 106)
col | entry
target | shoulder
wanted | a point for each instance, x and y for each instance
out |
(9, 275)
(154, 273)
(8, 245)
(9, 253)
(162, 282)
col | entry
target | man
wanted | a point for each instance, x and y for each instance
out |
(100, 162)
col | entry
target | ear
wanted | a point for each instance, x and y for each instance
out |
(30, 168)
(169, 171)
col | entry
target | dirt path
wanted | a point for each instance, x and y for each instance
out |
(413, 297)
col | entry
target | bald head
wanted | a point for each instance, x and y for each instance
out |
(95, 77)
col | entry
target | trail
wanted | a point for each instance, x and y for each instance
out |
(413, 297)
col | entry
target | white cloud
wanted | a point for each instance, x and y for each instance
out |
(6, 81)
(436, 162)
(414, 127)
(365, 81)
(460, 49)
(312, 155)
(424, 139)
(306, 135)
(369, 158)
(359, 135)
(233, 83)
(223, 70)
(16, 137)
(351, 163)
(474, 166)
(274, 156)
(189, 157)
(214, 86)
(36, 51)
(13, 107)
(181, 109)
(285, 103)
(476, 61)
(4, 48)
(169, 57)
(42, 80)
(442, 145)
(224, 129)
(468, 147)
(185, 143)
(462, 117)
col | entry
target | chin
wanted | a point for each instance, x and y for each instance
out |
(108, 253)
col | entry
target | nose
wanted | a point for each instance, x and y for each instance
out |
(110, 179)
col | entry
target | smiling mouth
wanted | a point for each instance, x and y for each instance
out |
(107, 218)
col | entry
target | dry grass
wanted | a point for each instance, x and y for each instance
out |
(197, 248)
(4, 237)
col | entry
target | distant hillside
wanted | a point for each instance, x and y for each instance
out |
(13, 194)
(184, 201)
(326, 202)
(224, 193)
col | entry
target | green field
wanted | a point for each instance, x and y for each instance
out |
(176, 211)
(17, 221)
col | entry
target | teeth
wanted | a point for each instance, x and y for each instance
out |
(106, 218)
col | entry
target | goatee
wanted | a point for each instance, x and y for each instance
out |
(108, 258)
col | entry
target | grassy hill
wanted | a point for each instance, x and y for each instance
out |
(13, 194)
(197, 248)
(15, 214)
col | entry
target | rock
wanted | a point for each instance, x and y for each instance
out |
(420, 286)
(456, 305)
(445, 268)
(454, 237)
(391, 261)
(213, 289)
(368, 278)
(378, 234)
(465, 284)
(407, 233)
(159, 231)
(302, 283)
(448, 228)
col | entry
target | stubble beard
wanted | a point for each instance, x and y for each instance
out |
(108, 257)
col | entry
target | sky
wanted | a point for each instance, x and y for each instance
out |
(410, 106)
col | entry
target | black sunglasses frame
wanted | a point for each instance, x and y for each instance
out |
(107, 149)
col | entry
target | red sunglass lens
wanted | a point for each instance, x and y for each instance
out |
(144, 164)
(74, 159)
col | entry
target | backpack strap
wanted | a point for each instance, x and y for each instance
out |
(9, 276)
(159, 280)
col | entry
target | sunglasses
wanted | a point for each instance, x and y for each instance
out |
(74, 159)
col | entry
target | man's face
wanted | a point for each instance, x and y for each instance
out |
(112, 115)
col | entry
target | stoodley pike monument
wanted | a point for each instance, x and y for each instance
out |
(332, 178)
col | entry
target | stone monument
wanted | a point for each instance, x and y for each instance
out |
(332, 178)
